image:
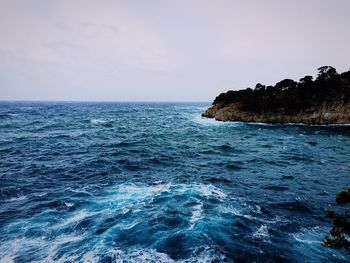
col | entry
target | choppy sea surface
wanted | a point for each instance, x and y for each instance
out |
(155, 182)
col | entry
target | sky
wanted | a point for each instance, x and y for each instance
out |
(180, 50)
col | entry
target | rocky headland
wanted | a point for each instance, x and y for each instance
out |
(325, 100)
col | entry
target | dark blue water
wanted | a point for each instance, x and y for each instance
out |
(121, 182)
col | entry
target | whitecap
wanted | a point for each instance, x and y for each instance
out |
(211, 121)
(7, 259)
(262, 233)
(39, 194)
(196, 214)
(149, 255)
(235, 211)
(205, 255)
(90, 258)
(64, 239)
(206, 121)
(75, 218)
(13, 114)
(19, 198)
(68, 204)
(12, 248)
(98, 121)
(261, 123)
(313, 235)
(257, 209)
(133, 192)
(130, 225)
(210, 191)
(132, 255)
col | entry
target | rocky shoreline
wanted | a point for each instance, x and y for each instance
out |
(322, 115)
(326, 100)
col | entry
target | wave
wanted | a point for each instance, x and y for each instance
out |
(212, 122)
(121, 202)
(206, 121)
(103, 122)
(262, 233)
(98, 121)
(201, 254)
(18, 198)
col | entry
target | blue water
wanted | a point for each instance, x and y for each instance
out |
(133, 182)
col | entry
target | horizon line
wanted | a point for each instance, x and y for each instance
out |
(102, 101)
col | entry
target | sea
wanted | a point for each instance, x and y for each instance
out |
(156, 182)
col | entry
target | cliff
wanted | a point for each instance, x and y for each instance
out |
(325, 100)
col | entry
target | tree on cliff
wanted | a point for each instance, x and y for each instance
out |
(306, 81)
(285, 84)
(326, 72)
(259, 86)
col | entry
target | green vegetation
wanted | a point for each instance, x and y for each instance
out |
(291, 97)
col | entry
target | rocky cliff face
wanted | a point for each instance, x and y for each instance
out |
(323, 101)
(324, 114)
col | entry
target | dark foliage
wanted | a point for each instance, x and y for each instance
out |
(289, 96)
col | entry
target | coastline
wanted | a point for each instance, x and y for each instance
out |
(326, 115)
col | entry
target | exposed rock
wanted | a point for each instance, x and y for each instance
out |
(336, 239)
(339, 235)
(325, 114)
(343, 197)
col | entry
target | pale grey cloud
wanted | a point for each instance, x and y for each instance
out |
(114, 29)
(164, 50)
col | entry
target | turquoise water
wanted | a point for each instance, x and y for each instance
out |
(155, 182)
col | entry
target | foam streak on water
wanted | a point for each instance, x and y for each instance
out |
(133, 182)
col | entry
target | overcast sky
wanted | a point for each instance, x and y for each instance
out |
(164, 50)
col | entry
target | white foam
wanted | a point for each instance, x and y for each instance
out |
(312, 235)
(67, 239)
(98, 121)
(90, 258)
(39, 194)
(235, 211)
(13, 114)
(133, 255)
(133, 192)
(206, 121)
(206, 255)
(307, 241)
(261, 232)
(19, 198)
(260, 123)
(7, 259)
(12, 248)
(211, 121)
(53, 259)
(149, 256)
(257, 209)
(141, 255)
(68, 204)
(130, 225)
(196, 214)
(75, 218)
(211, 191)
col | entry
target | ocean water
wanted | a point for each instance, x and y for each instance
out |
(155, 182)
